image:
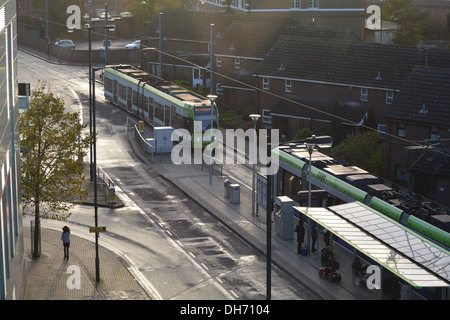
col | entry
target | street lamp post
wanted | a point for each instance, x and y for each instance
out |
(212, 98)
(311, 143)
(93, 133)
(144, 4)
(94, 166)
(255, 118)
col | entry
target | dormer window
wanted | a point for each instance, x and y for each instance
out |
(424, 109)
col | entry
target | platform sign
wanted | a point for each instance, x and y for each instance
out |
(97, 229)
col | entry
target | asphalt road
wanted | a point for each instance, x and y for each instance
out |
(176, 247)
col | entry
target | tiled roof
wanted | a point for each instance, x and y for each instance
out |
(348, 63)
(424, 97)
(249, 37)
(321, 108)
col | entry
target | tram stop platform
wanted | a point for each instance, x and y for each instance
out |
(193, 180)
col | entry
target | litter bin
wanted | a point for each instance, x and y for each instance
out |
(226, 184)
(235, 193)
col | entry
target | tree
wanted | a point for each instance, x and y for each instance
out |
(52, 161)
(364, 150)
(415, 24)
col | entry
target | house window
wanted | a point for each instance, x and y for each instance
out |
(237, 63)
(265, 84)
(434, 134)
(295, 4)
(382, 128)
(218, 61)
(313, 4)
(401, 129)
(364, 94)
(288, 86)
(389, 97)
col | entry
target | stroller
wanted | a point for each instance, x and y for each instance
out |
(329, 266)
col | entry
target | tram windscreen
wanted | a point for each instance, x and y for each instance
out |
(203, 114)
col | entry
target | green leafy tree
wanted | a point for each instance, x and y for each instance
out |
(415, 24)
(52, 161)
(364, 150)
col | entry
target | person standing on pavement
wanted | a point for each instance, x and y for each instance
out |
(300, 229)
(65, 237)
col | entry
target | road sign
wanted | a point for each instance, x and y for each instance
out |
(112, 190)
(97, 229)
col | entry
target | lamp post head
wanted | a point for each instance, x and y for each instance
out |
(255, 117)
(212, 97)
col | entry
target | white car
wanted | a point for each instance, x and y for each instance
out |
(68, 44)
(135, 45)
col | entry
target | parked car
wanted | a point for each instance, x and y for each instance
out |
(102, 15)
(68, 44)
(135, 45)
(126, 14)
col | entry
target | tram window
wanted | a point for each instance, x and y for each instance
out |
(122, 92)
(108, 85)
(159, 111)
(135, 98)
(151, 108)
(173, 118)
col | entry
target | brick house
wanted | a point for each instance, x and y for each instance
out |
(349, 73)
(418, 134)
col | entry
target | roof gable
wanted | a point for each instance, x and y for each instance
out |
(347, 63)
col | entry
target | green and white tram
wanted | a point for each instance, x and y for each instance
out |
(159, 102)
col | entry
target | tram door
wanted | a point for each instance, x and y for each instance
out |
(115, 91)
(173, 117)
(167, 115)
(129, 98)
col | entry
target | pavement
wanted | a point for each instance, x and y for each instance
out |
(51, 277)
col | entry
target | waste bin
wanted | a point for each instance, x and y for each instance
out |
(226, 184)
(235, 193)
